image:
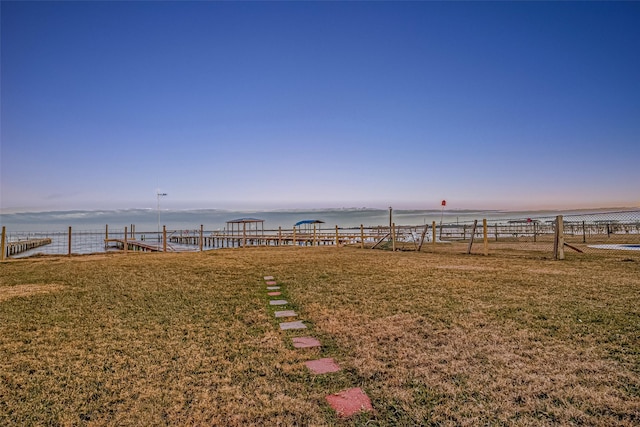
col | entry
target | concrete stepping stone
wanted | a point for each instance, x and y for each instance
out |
(305, 342)
(286, 313)
(292, 325)
(273, 288)
(271, 282)
(278, 302)
(268, 277)
(349, 402)
(322, 366)
(274, 294)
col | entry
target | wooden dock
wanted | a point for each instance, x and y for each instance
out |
(225, 240)
(135, 245)
(14, 248)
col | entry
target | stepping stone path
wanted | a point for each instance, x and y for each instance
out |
(322, 366)
(292, 325)
(286, 313)
(349, 402)
(306, 342)
(346, 402)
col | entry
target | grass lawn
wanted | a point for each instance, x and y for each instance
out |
(432, 338)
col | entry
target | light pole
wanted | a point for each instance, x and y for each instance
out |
(159, 194)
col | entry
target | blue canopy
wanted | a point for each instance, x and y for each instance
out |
(308, 221)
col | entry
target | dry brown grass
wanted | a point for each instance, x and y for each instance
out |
(433, 338)
(7, 292)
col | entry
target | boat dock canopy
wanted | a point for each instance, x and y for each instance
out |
(308, 221)
(244, 220)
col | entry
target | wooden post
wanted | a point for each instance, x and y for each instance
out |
(535, 232)
(560, 231)
(393, 236)
(244, 234)
(3, 243)
(69, 243)
(201, 235)
(294, 235)
(337, 238)
(496, 231)
(125, 246)
(584, 234)
(464, 232)
(314, 235)
(433, 232)
(106, 235)
(164, 238)
(486, 237)
(361, 236)
(279, 235)
(422, 236)
(473, 233)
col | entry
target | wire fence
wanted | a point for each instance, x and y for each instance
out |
(582, 233)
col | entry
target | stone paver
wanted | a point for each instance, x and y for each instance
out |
(286, 313)
(268, 277)
(278, 302)
(271, 282)
(274, 294)
(349, 402)
(273, 288)
(305, 342)
(322, 366)
(292, 325)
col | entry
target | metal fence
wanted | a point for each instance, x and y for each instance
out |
(584, 233)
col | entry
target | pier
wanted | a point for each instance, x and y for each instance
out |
(14, 248)
(138, 245)
(226, 240)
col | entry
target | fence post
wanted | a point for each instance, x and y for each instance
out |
(125, 245)
(337, 238)
(294, 235)
(485, 236)
(433, 232)
(69, 244)
(201, 235)
(361, 236)
(584, 234)
(393, 236)
(473, 233)
(279, 235)
(164, 238)
(3, 243)
(558, 242)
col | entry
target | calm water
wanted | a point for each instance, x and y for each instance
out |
(147, 219)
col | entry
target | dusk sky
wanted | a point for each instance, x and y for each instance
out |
(242, 105)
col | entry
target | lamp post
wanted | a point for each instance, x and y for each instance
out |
(159, 194)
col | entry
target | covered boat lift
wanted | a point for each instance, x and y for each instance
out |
(307, 223)
(233, 227)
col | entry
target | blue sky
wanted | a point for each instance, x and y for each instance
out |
(490, 105)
